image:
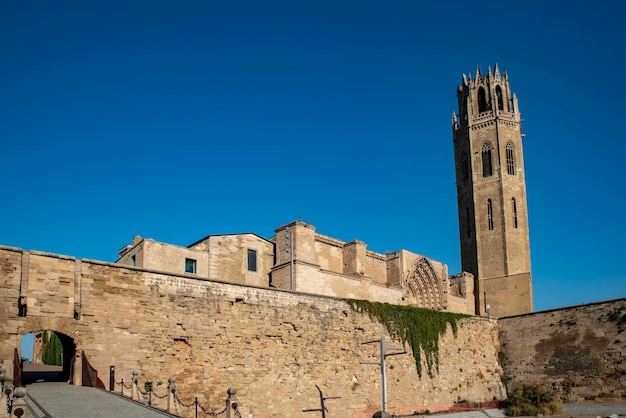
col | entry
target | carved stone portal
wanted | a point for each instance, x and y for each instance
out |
(422, 286)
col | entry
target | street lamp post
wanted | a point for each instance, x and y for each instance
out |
(383, 368)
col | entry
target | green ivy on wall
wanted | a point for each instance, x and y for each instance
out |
(419, 327)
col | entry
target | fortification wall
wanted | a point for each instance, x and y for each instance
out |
(578, 351)
(273, 346)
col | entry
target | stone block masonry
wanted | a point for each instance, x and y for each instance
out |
(273, 346)
(578, 352)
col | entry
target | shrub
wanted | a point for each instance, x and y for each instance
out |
(532, 400)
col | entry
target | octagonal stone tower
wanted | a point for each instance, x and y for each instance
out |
(491, 194)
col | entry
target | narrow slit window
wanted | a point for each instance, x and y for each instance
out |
(514, 204)
(500, 98)
(465, 170)
(133, 260)
(190, 266)
(490, 214)
(510, 159)
(482, 100)
(487, 154)
(468, 228)
(251, 260)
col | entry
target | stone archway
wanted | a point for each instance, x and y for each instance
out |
(59, 370)
(422, 287)
(68, 337)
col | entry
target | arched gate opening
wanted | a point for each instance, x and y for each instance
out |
(51, 357)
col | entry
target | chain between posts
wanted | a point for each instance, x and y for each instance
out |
(231, 403)
(123, 386)
(148, 391)
(7, 389)
(197, 405)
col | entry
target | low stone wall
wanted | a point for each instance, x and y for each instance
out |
(578, 352)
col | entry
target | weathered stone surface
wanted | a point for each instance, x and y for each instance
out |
(578, 352)
(274, 346)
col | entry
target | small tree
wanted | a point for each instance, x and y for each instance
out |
(52, 349)
(532, 400)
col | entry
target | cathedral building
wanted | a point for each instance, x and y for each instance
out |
(493, 222)
(300, 259)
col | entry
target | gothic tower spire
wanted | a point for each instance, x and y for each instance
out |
(491, 194)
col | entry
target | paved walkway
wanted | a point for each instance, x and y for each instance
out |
(597, 410)
(569, 410)
(487, 413)
(62, 400)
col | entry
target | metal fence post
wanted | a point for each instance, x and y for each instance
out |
(171, 390)
(112, 378)
(231, 401)
(134, 394)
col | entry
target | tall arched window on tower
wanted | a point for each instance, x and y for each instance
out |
(487, 154)
(465, 170)
(482, 100)
(510, 159)
(514, 204)
(490, 214)
(500, 98)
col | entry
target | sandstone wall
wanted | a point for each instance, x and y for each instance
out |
(273, 346)
(376, 267)
(228, 257)
(461, 291)
(215, 256)
(329, 254)
(506, 295)
(311, 279)
(578, 352)
(171, 258)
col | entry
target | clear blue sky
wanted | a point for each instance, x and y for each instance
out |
(175, 120)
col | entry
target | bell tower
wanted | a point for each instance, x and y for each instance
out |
(491, 194)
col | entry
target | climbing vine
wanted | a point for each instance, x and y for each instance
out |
(419, 327)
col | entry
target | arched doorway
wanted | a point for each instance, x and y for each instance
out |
(50, 358)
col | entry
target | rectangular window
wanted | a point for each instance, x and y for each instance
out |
(190, 265)
(251, 260)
